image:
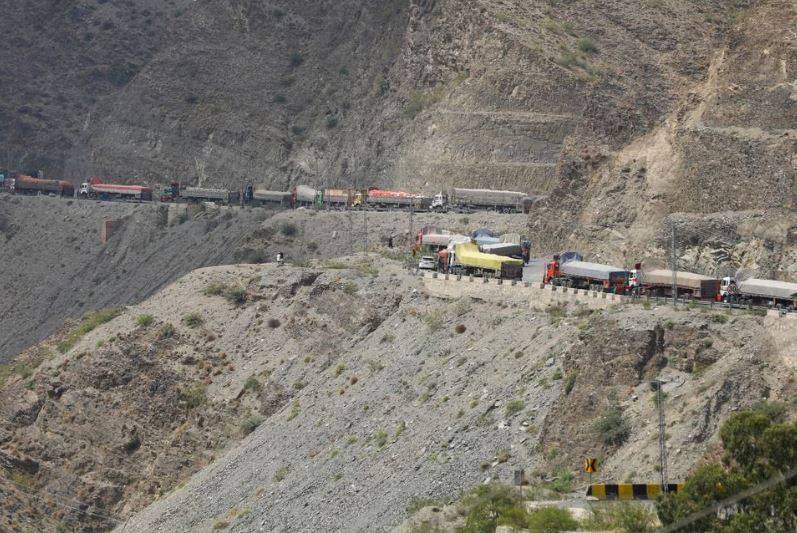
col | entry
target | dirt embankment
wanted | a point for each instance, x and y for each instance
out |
(356, 381)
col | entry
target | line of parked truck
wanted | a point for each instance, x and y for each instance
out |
(484, 254)
(373, 198)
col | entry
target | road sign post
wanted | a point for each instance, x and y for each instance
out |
(590, 467)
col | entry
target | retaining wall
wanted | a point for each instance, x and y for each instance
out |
(539, 294)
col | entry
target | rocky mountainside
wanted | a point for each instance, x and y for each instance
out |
(362, 394)
(622, 112)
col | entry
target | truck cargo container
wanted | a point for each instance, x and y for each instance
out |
(203, 194)
(586, 275)
(337, 198)
(465, 258)
(29, 185)
(272, 198)
(388, 199)
(658, 282)
(468, 200)
(765, 292)
(96, 189)
(304, 196)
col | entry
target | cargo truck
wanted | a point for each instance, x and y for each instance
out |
(469, 200)
(659, 282)
(465, 258)
(766, 292)
(586, 275)
(96, 189)
(304, 196)
(376, 198)
(29, 185)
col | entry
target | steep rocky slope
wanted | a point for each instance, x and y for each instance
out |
(368, 394)
(55, 266)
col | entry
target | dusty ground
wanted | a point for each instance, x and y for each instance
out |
(370, 398)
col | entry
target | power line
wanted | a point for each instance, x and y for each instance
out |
(56, 500)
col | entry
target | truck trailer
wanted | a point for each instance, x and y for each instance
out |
(586, 275)
(203, 194)
(96, 189)
(659, 282)
(386, 199)
(23, 184)
(469, 200)
(271, 198)
(766, 292)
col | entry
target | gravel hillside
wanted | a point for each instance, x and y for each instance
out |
(56, 268)
(366, 395)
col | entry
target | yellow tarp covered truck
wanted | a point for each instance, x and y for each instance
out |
(467, 259)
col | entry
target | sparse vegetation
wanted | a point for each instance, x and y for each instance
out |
(503, 455)
(252, 384)
(281, 473)
(296, 59)
(621, 516)
(514, 407)
(193, 396)
(288, 229)
(380, 438)
(612, 427)
(250, 423)
(719, 318)
(88, 323)
(433, 319)
(295, 410)
(587, 46)
(570, 382)
(145, 321)
(193, 320)
(167, 331)
(273, 323)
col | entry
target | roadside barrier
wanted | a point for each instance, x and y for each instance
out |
(629, 491)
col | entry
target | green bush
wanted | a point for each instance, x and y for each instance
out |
(280, 99)
(514, 407)
(380, 438)
(145, 321)
(281, 473)
(215, 288)
(622, 516)
(253, 384)
(235, 295)
(288, 229)
(550, 519)
(758, 448)
(193, 396)
(587, 46)
(612, 427)
(489, 506)
(250, 423)
(296, 59)
(570, 382)
(719, 318)
(332, 122)
(433, 319)
(193, 320)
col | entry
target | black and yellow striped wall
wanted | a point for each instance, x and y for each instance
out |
(629, 491)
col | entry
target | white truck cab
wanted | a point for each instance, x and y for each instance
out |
(84, 189)
(439, 202)
(727, 286)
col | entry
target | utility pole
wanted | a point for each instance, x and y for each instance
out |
(365, 229)
(662, 438)
(674, 263)
(412, 230)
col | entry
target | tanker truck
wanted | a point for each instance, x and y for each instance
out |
(96, 189)
(30, 185)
